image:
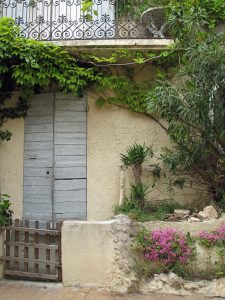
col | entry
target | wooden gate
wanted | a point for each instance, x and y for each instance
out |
(33, 250)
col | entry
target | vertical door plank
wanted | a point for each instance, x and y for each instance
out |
(70, 157)
(38, 158)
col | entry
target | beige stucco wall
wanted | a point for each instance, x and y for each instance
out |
(11, 164)
(110, 131)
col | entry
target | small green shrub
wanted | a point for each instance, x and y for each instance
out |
(5, 211)
(135, 213)
(150, 212)
(135, 155)
(138, 194)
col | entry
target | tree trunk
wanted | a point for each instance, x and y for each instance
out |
(137, 170)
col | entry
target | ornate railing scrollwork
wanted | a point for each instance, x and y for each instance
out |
(65, 20)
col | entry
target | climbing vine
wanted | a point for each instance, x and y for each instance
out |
(27, 65)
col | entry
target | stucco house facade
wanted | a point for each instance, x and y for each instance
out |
(63, 161)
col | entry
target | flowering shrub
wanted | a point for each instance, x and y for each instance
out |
(168, 246)
(165, 250)
(212, 238)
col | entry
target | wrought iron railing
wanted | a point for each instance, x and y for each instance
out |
(64, 20)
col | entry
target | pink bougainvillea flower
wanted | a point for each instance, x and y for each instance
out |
(168, 246)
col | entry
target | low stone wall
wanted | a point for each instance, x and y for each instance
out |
(98, 254)
(172, 284)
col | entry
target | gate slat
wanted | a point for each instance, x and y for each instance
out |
(36, 249)
(47, 251)
(51, 247)
(16, 238)
(32, 230)
(7, 248)
(59, 251)
(31, 275)
(26, 248)
(27, 260)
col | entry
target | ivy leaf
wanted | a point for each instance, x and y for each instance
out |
(139, 60)
(86, 5)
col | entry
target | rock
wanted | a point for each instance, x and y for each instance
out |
(181, 213)
(193, 220)
(124, 219)
(208, 213)
(173, 285)
(192, 286)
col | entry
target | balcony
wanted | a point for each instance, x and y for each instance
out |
(63, 20)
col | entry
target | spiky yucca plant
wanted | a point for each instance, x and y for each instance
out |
(135, 155)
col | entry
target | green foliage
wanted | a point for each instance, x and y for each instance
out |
(136, 154)
(163, 251)
(214, 242)
(149, 213)
(86, 8)
(5, 211)
(139, 192)
(29, 65)
(195, 111)
(129, 7)
(187, 17)
(184, 16)
(5, 135)
(130, 209)
(124, 92)
(136, 202)
(214, 266)
(136, 8)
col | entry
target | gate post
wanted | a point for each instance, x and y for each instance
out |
(2, 238)
(97, 254)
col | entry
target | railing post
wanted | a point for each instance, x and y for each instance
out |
(50, 30)
(1, 8)
(117, 18)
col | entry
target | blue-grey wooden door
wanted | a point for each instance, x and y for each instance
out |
(55, 158)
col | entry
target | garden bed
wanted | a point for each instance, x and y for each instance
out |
(124, 276)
